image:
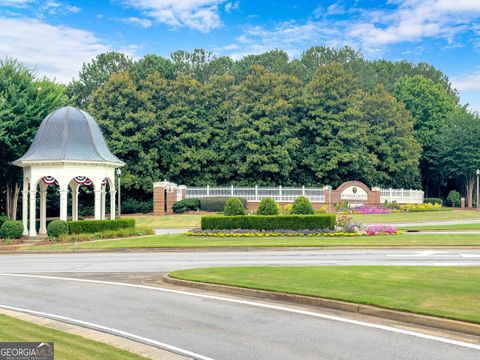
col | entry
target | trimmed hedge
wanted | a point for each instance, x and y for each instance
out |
(57, 228)
(3, 218)
(11, 229)
(433, 201)
(269, 222)
(217, 203)
(96, 226)
(186, 205)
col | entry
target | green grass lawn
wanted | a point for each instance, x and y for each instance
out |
(443, 227)
(184, 241)
(450, 292)
(417, 217)
(67, 346)
(192, 220)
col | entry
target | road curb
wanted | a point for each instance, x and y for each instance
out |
(132, 346)
(424, 320)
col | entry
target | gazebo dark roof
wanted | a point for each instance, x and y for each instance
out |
(66, 134)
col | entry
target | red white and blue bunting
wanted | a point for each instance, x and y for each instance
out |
(83, 180)
(49, 180)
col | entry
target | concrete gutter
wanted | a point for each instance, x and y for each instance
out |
(135, 347)
(424, 320)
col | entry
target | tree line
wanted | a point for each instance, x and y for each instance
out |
(194, 118)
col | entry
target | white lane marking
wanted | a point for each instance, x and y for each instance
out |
(422, 253)
(263, 305)
(470, 255)
(112, 331)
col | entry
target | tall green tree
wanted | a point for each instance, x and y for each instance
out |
(25, 100)
(431, 105)
(457, 150)
(95, 74)
(260, 142)
(128, 122)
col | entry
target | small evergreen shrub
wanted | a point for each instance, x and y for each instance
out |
(302, 206)
(96, 226)
(57, 228)
(267, 206)
(3, 218)
(433, 201)
(453, 198)
(186, 205)
(270, 222)
(217, 203)
(134, 206)
(11, 229)
(234, 206)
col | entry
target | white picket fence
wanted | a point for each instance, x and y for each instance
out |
(289, 194)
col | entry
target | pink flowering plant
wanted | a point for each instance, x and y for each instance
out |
(380, 229)
(377, 209)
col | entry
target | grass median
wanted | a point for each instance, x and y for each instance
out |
(449, 292)
(67, 346)
(185, 241)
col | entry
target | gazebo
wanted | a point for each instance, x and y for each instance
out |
(68, 151)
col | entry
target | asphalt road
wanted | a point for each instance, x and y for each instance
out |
(169, 261)
(217, 328)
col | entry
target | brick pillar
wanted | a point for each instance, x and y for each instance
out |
(171, 199)
(374, 196)
(158, 200)
(462, 203)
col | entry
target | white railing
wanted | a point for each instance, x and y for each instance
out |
(257, 193)
(401, 196)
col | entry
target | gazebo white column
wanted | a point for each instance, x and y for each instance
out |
(63, 204)
(33, 210)
(113, 210)
(25, 208)
(103, 207)
(74, 186)
(43, 209)
(98, 204)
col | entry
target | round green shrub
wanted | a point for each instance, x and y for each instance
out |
(57, 228)
(217, 203)
(433, 201)
(234, 206)
(3, 218)
(11, 229)
(453, 198)
(302, 206)
(267, 206)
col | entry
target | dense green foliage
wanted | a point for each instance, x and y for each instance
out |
(57, 228)
(234, 206)
(97, 226)
(11, 229)
(302, 205)
(134, 206)
(186, 205)
(3, 218)
(270, 222)
(328, 116)
(268, 206)
(25, 100)
(453, 198)
(217, 203)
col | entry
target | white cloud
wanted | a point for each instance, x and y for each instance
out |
(467, 81)
(145, 23)
(54, 7)
(231, 6)
(201, 15)
(15, 3)
(55, 51)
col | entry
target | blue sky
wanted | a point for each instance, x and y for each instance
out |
(57, 36)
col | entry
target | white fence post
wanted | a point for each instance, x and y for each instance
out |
(303, 190)
(232, 191)
(280, 192)
(256, 193)
(208, 190)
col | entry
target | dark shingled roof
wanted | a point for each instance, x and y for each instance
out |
(69, 133)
